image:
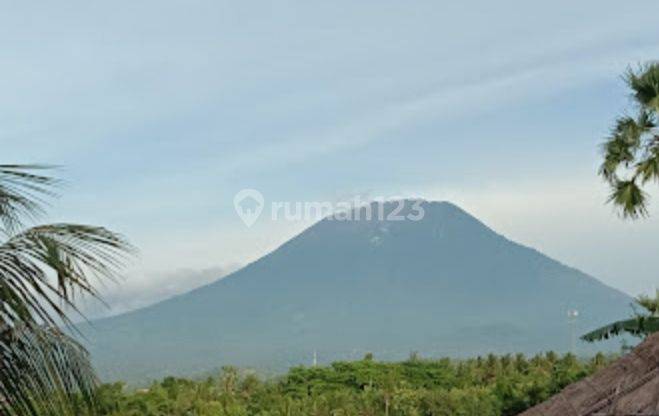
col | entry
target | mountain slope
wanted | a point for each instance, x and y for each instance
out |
(444, 285)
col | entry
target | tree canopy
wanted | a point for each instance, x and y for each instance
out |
(483, 386)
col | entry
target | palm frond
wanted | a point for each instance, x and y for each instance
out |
(46, 266)
(21, 194)
(645, 83)
(650, 304)
(631, 199)
(43, 372)
(624, 143)
(648, 168)
(638, 326)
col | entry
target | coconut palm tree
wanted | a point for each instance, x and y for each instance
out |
(631, 152)
(641, 325)
(43, 269)
(631, 160)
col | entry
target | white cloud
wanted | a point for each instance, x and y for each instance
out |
(140, 290)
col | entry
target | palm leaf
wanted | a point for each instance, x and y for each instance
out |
(645, 84)
(73, 254)
(638, 326)
(42, 269)
(21, 194)
(631, 199)
(43, 372)
(649, 304)
(631, 152)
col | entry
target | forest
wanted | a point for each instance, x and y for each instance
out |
(483, 386)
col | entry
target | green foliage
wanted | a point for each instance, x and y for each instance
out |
(631, 152)
(42, 268)
(496, 385)
(641, 325)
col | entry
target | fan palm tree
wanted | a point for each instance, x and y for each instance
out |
(43, 268)
(631, 152)
(641, 325)
(631, 160)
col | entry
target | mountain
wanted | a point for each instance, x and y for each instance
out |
(442, 285)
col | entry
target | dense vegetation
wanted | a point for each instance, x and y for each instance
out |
(484, 386)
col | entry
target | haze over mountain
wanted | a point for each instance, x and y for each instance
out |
(443, 285)
(133, 294)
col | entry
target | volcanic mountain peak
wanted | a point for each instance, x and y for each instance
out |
(441, 284)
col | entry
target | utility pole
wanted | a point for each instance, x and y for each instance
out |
(572, 315)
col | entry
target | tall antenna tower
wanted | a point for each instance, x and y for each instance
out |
(315, 359)
(572, 315)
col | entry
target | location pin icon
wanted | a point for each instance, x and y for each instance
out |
(249, 205)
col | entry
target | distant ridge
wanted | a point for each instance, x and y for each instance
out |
(443, 285)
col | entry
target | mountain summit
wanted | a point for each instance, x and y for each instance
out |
(445, 284)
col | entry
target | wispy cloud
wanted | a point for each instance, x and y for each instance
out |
(487, 91)
(159, 117)
(140, 290)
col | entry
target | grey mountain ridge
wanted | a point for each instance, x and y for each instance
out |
(446, 285)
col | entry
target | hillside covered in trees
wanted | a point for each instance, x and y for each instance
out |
(483, 386)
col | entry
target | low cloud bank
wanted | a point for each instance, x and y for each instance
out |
(149, 288)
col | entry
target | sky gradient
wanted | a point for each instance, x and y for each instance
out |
(159, 112)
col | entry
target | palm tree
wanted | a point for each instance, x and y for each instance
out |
(642, 324)
(43, 268)
(631, 160)
(631, 152)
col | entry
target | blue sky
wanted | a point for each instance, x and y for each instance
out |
(159, 112)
